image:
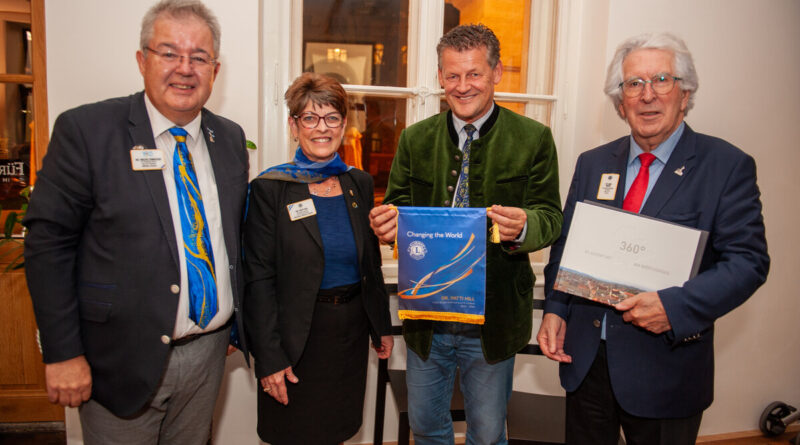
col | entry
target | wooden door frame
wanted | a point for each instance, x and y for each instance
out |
(25, 400)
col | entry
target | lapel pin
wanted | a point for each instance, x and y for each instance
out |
(355, 206)
(679, 171)
(210, 135)
(351, 192)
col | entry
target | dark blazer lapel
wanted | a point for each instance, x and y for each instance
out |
(353, 199)
(680, 165)
(141, 133)
(299, 192)
(220, 163)
(620, 160)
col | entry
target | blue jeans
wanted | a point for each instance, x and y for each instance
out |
(486, 389)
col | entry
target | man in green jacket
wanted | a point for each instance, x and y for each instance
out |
(478, 154)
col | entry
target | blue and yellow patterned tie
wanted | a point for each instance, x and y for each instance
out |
(196, 239)
(462, 194)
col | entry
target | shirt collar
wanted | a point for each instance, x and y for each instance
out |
(159, 123)
(664, 149)
(459, 124)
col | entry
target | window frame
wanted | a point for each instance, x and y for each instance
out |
(281, 62)
(426, 19)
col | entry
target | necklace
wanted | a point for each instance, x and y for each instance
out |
(315, 190)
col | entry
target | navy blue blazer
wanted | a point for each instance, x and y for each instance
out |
(101, 255)
(708, 184)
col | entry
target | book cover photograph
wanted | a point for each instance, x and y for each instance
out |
(612, 254)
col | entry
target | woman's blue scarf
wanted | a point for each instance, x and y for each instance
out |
(304, 170)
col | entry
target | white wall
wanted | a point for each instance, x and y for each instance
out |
(91, 56)
(748, 62)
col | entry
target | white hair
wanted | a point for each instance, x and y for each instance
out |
(682, 61)
(179, 9)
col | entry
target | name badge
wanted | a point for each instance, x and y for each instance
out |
(608, 186)
(143, 159)
(301, 209)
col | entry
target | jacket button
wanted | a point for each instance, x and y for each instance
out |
(175, 289)
(596, 323)
(446, 202)
(165, 339)
(453, 173)
(450, 188)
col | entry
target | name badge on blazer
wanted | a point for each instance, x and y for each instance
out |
(301, 209)
(607, 189)
(143, 159)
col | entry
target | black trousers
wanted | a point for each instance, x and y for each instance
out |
(595, 417)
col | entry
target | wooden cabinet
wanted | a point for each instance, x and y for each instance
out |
(23, 397)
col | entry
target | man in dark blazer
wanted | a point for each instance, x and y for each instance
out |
(105, 253)
(647, 364)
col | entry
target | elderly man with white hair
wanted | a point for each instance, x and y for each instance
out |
(646, 364)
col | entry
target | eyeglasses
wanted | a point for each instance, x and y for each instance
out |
(662, 83)
(310, 120)
(171, 59)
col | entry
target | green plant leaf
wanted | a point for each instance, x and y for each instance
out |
(11, 221)
(16, 246)
(250, 144)
(16, 263)
(11, 247)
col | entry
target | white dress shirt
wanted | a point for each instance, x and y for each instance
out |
(201, 160)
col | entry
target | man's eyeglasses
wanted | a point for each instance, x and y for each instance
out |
(310, 120)
(171, 59)
(662, 83)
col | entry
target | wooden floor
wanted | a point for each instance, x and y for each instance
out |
(751, 438)
(59, 438)
(743, 438)
(780, 440)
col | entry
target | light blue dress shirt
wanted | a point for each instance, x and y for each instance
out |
(662, 154)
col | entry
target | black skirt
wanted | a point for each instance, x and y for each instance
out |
(325, 406)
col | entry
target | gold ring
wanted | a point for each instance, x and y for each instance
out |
(267, 389)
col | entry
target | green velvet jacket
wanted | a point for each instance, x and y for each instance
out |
(513, 163)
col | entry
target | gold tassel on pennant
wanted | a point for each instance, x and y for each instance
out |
(494, 231)
(396, 215)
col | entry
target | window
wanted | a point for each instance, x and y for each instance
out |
(23, 101)
(384, 52)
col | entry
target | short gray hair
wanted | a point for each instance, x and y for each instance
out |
(465, 37)
(179, 9)
(682, 61)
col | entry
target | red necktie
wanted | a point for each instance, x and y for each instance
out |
(633, 200)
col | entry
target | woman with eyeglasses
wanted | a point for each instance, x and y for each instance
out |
(314, 289)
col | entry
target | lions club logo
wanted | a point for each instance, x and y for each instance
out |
(417, 250)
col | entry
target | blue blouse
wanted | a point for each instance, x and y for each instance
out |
(339, 246)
